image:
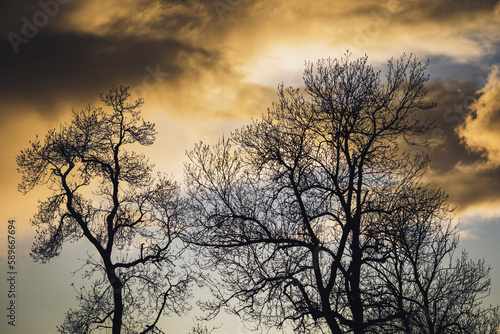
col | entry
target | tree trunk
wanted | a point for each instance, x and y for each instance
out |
(118, 303)
(333, 325)
(117, 285)
(356, 303)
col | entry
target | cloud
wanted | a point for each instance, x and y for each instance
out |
(56, 68)
(225, 66)
(479, 130)
(90, 45)
(146, 19)
(12, 12)
(453, 98)
(464, 154)
(452, 10)
(471, 187)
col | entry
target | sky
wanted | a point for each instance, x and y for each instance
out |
(205, 68)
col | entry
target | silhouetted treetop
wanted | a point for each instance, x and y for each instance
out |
(301, 211)
(105, 193)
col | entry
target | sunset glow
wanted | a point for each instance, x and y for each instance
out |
(204, 70)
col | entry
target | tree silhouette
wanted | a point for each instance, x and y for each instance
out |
(107, 195)
(436, 292)
(300, 212)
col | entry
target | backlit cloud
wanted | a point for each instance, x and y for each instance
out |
(480, 129)
(465, 160)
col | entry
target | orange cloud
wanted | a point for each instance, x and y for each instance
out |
(466, 158)
(480, 129)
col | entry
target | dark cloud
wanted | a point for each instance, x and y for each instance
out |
(12, 12)
(411, 11)
(55, 67)
(84, 50)
(453, 98)
(441, 12)
(451, 10)
(468, 176)
(475, 187)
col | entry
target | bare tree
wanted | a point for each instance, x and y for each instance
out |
(436, 292)
(487, 322)
(298, 210)
(106, 194)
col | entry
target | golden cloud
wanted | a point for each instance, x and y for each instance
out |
(479, 131)
(152, 20)
(257, 29)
